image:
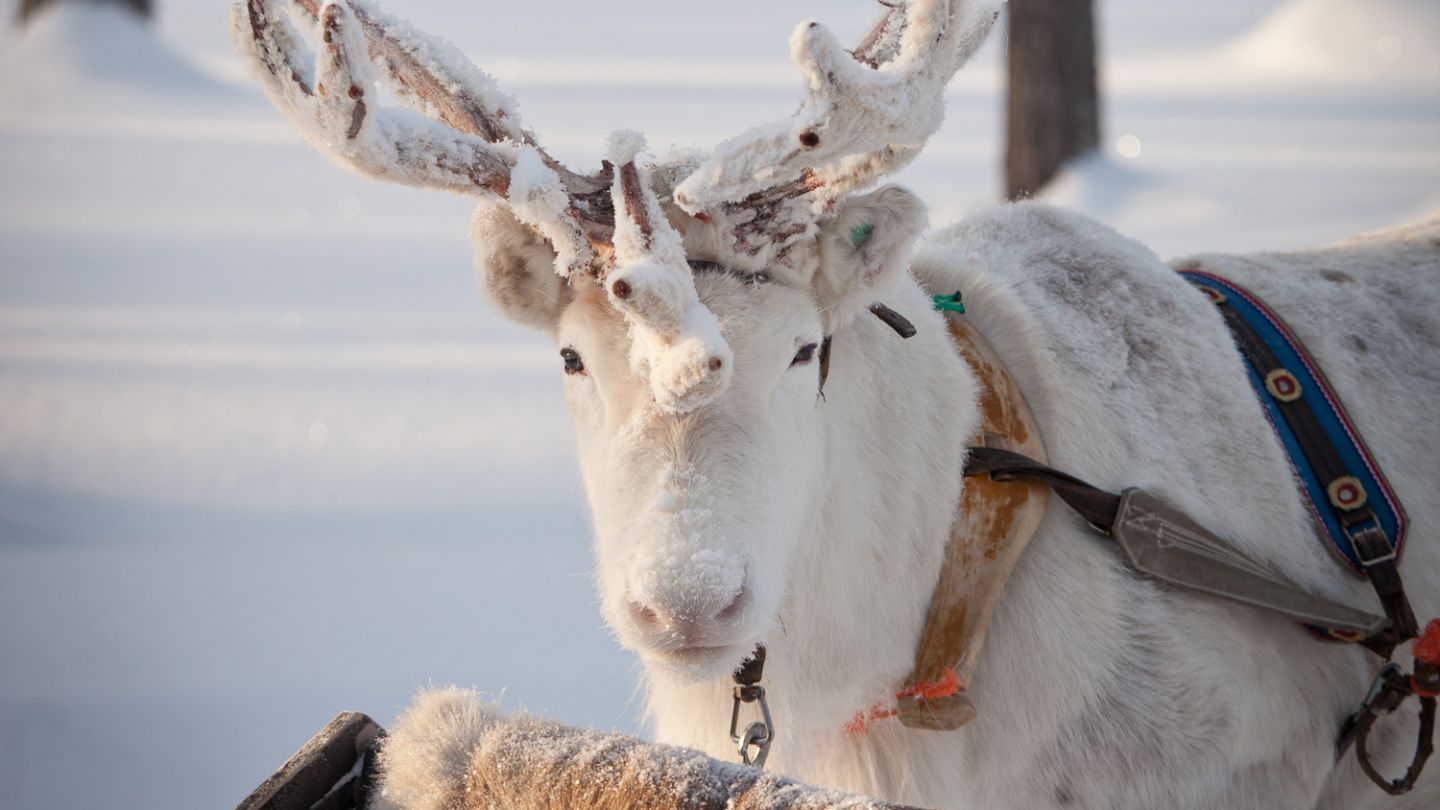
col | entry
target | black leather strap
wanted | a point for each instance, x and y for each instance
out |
(753, 669)
(1392, 688)
(1094, 504)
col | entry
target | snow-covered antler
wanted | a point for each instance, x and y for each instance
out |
(611, 229)
(866, 113)
(675, 340)
(477, 146)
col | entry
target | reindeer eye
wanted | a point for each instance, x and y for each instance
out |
(573, 363)
(805, 355)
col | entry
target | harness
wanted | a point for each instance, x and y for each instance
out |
(1360, 516)
(1354, 507)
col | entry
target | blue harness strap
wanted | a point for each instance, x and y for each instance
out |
(1351, 499)
(1348, 495)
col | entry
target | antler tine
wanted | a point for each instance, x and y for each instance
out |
(442, 80)
(476, 150)
(866, 114)
(675, 341)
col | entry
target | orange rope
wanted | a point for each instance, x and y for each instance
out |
(1427, 651)
(1427, 647)
(947, 685)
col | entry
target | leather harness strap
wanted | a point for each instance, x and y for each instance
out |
(1092, 503)
(1106, 511)
(1354, 506)
(1167, 545)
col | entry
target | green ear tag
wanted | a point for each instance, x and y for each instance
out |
(861, 234)
(949, 303)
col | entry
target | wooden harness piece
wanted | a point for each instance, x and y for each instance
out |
(994, 524)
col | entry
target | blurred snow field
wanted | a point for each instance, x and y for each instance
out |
(265, 454)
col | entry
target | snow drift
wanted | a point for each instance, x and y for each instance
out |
(1348, 41)
(73, 56)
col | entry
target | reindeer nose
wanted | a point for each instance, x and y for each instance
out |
(689, 622)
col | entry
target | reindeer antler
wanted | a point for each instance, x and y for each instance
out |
(611, 225)
(866, 114)
(675, 341)
(478, 146)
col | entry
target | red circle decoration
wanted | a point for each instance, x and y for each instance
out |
(1347, 492)
(1282, 385)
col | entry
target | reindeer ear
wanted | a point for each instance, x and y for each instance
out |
(517, 267)
(864, 250)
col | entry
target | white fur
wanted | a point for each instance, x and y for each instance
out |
(826, 518)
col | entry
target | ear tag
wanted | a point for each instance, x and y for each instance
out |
(949, 303)
(860, 234)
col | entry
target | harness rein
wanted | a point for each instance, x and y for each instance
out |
(1005, 497)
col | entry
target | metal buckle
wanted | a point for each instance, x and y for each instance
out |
(758, 735)
(1377, 687)
(1369, 523)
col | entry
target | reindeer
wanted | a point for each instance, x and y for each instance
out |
(766, 462)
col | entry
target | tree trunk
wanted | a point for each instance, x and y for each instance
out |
(29, 7)
(1053, 112)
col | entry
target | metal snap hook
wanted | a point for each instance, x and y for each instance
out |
(754, 742)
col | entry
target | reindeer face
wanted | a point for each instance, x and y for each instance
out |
(696, 513)
(695, 400)
(697, 510)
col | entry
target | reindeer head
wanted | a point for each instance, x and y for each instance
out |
(691, 301)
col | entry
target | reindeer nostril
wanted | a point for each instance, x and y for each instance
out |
(645, 615)
(716, 364)
(736, 607)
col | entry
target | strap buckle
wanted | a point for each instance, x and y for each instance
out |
(1384, 697)
(1369, 540)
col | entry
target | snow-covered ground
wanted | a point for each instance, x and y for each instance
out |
(265, 456)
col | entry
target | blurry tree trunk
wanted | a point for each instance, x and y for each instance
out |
(1053, 112)
(29, 7)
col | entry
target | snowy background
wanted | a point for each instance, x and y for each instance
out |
(264, 453)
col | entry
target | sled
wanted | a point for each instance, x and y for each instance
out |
(328, 773)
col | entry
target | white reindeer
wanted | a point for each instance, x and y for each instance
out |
(733, 505)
